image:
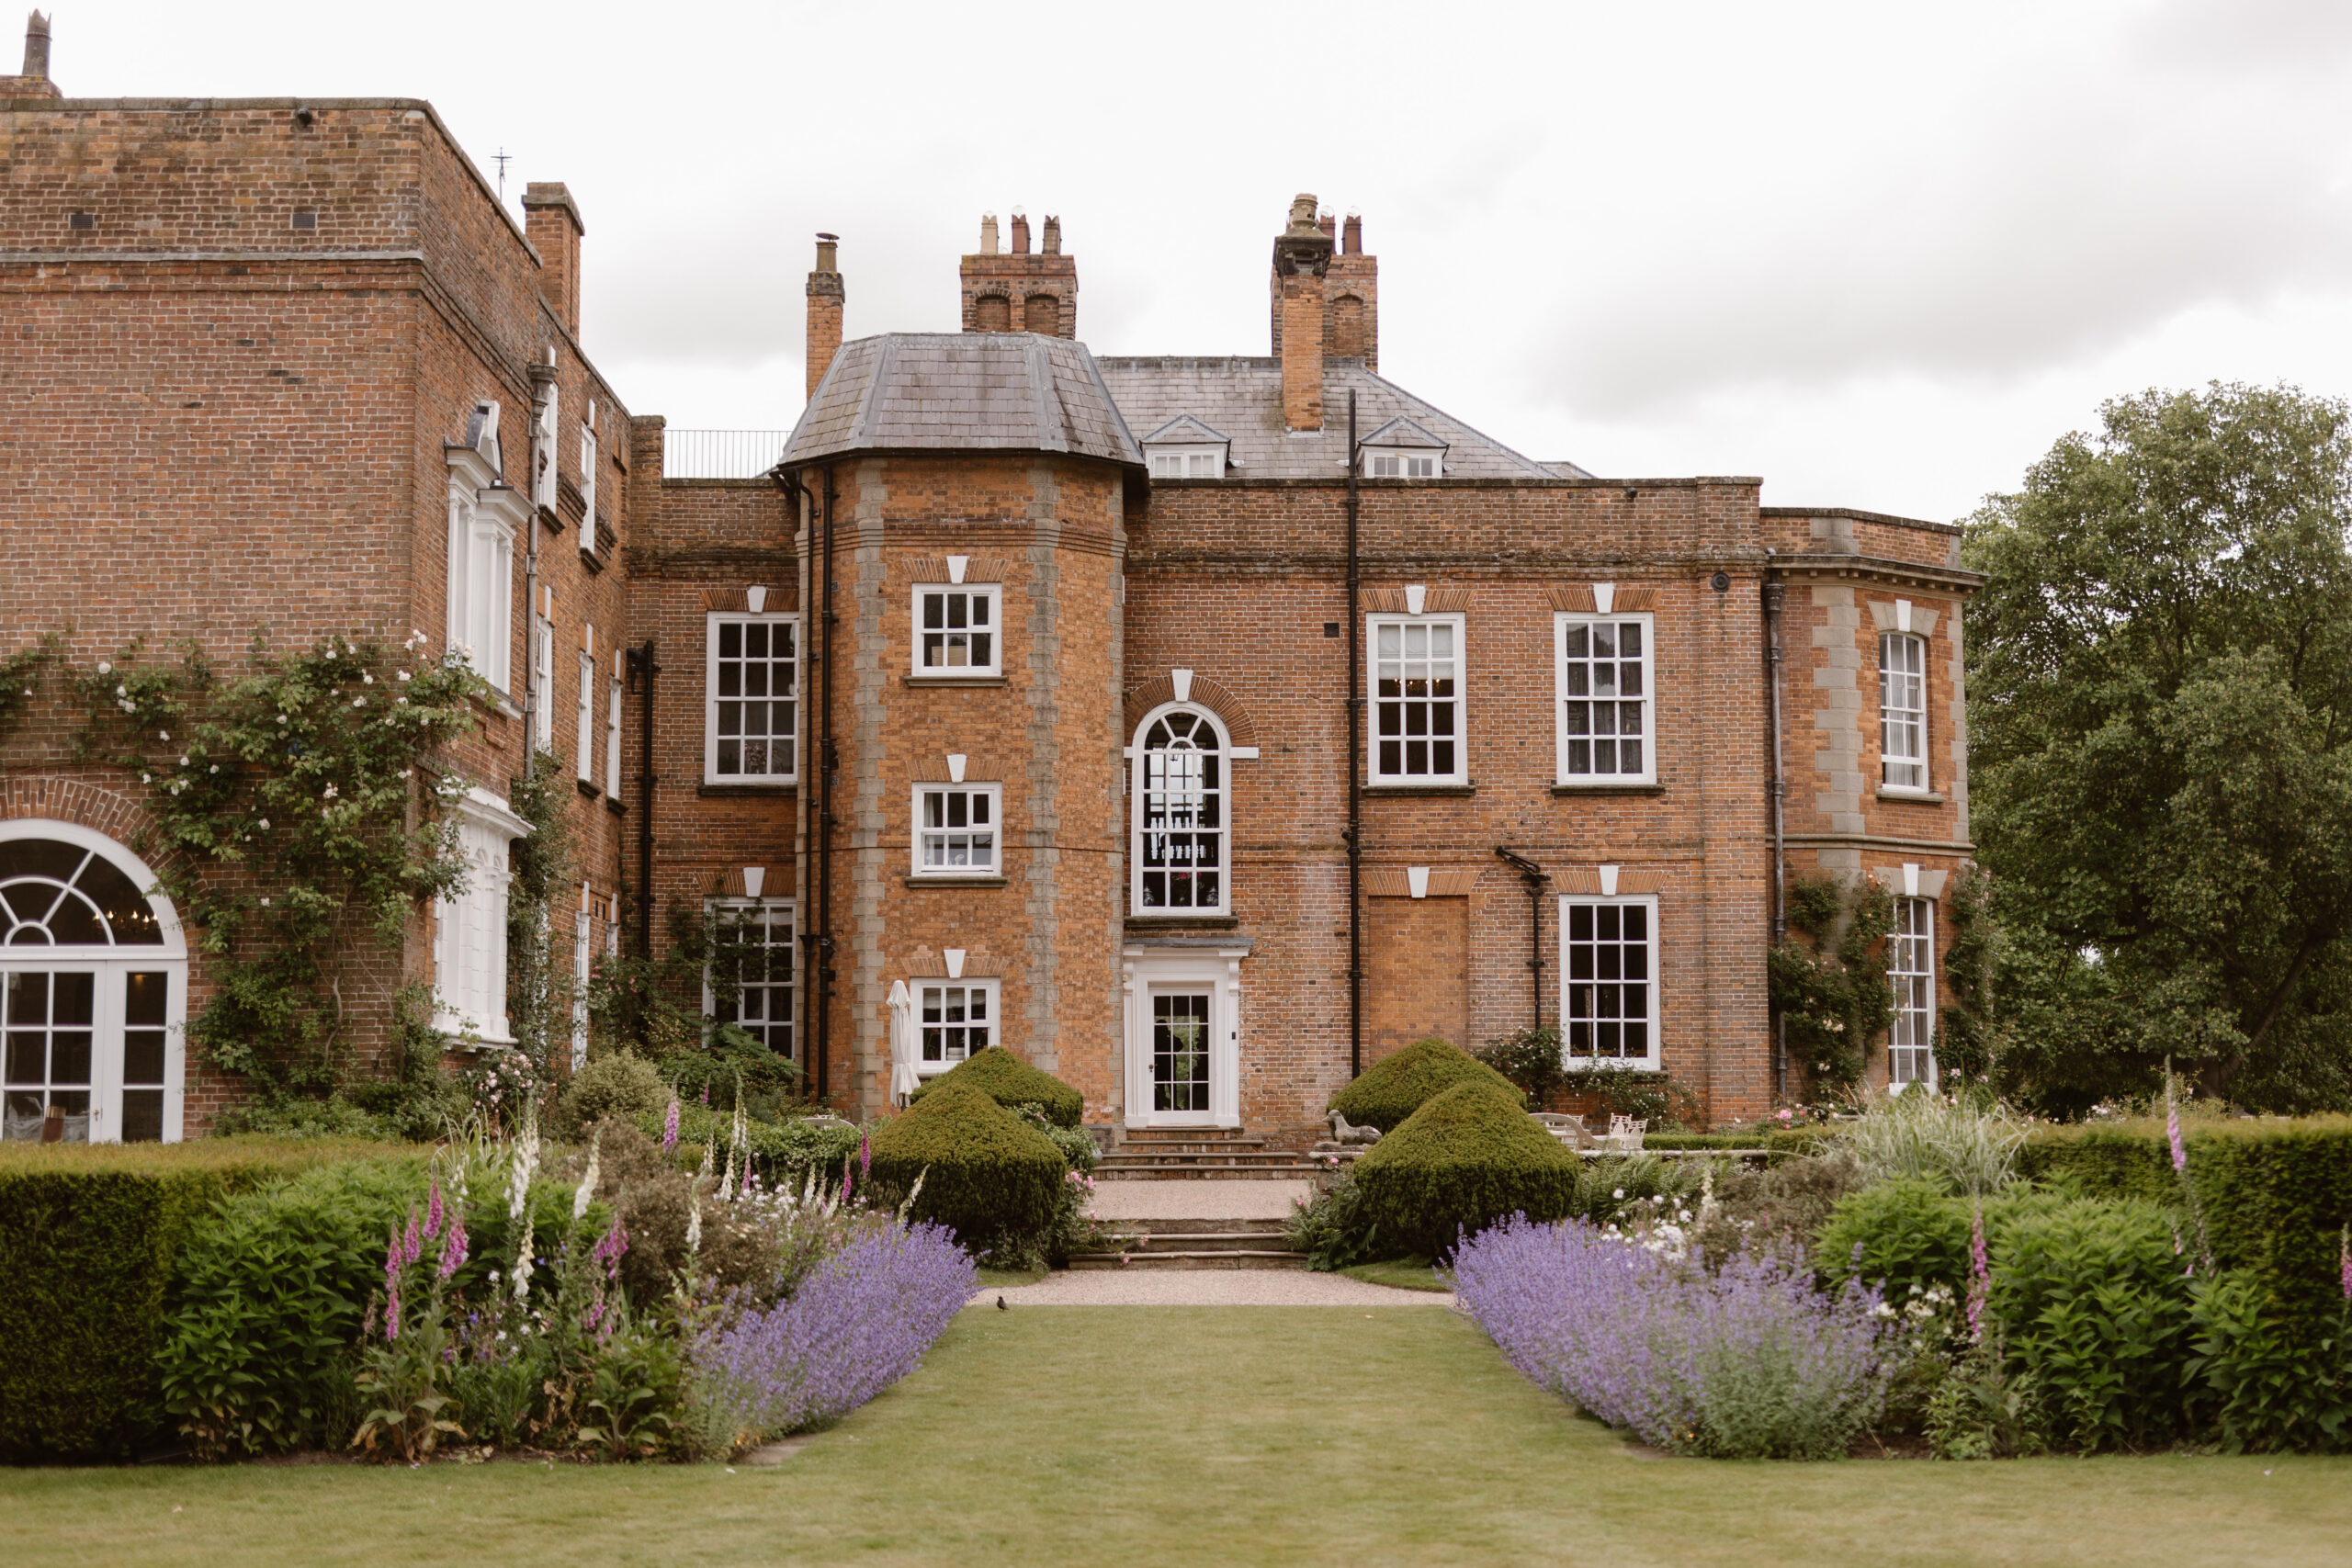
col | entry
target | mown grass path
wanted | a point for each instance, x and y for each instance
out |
(1201, 1435)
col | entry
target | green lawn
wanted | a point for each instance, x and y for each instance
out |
(1210, 1434)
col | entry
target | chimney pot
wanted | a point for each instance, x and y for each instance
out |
(1352, 235)
(827, 249)
(1053, 235)
(36, 48)
(1330, 225)
(988, 234)
(1020, 233)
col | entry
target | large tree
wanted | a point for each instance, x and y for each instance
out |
(2160, 702)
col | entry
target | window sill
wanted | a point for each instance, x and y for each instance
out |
(498, 704)
(954, 881)
(952, 681)
(1608, 787)
(1915, 796)
(1172, 922)
(613, 804)
(588, 790)
(708, 790)
(1404, 789)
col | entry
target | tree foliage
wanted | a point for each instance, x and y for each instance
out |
(2160, 683)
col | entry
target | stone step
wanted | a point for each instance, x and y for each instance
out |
(1158, 1146)
(1206, 1240)
(1208, 1173)
(1188, 1134)
(1194, 1260)
(1133, 1161)
(1159, 1229)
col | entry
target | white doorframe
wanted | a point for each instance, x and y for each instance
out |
(1216, 971)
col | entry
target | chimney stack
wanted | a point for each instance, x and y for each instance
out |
(1020, 233)
(35, 82)
(825, 295)
(1301, 257)
(1016, 291)
(1352, 235)
(551, 219)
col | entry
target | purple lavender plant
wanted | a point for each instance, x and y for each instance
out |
(858, 1324)
(1751, 1361)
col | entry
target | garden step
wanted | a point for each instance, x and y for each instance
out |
(1207, 1239)
(1288, 1172)
(1265, 1259)
(1187, 1135)
(1160, 1228)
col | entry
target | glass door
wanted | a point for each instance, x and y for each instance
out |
(1179, 1051)
(49, 1020)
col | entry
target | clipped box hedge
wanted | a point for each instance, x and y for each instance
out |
(1392, 1088)
(1010, 1081)
(90, 1239)
(1469, 1158)
(2275, 1193)
(985, 1173)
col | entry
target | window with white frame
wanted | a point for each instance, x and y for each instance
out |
(613, 730)
(1911, 969)
(954, 1020)
(752, 700)
(1416, 675)
(580, 959)
(1404, 465)
(1186, 462)
(1902, 710)
(1179, 814)
(588, 482)
(543, 445)
(955, 829)
(480, 588)
(957, 629)
(583, 733)
(543, 680)
(755, 937)
(1609, 981)
(469, 927)
(1602, 675)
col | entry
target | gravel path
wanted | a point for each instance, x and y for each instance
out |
(1205, 1287)
(1186, 1199)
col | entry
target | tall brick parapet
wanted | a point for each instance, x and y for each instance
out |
(1020, 292)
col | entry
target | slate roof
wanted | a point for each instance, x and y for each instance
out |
(963, 392)
(1244, 396)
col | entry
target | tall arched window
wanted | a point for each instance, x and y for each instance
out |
(1181, 852)
(92, 991)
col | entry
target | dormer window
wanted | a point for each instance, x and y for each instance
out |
(1403, 450)
(1184, 448)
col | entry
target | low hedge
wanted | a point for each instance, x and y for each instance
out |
(2274, 1193)
(1397, 1086)
(985, 1173)
(1010, 1081)
(779, 1152)
(1467, 1158)
(91, 1238)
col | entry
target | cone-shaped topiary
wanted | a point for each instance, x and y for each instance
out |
(1010, 1081)
(1468, 1159)
(985, 1173)
(1394, 1087)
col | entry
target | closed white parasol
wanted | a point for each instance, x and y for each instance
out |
(904, 1080)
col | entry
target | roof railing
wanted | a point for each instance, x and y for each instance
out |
(720, 453)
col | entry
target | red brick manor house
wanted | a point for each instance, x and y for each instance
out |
(1199, 728)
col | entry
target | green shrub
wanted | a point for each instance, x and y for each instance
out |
(1783, 1206)
(778, 1152)
(711, 1074)
(91, 1236)
(1530, 1060)
(1397, 1086)
(986, 1174)
(1905, 1233)
(1331, 1229)
(2090, 1298)
(2274, 1193)
(1959, 1145)
(1010, 1082)
(623, 1084)
(1466, 1158)
(2272, 1388)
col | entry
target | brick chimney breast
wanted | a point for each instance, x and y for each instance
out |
(1019, 290)
(826, 294)
(1302, 257)
(551, 219)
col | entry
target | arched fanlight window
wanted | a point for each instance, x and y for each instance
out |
(1180, 829)
(54, 893)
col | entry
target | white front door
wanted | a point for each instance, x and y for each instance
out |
(1183, 1041)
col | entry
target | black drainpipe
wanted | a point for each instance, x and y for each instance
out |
(1356, 781)
(1532, 874)
(1775, 592)
(640, 664)
(814, 944)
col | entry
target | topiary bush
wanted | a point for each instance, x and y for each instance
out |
(91, 1238)
(1397, 1086)
(622, 1084)
(1010, 1081)
(1466, 1158)
(988, 1176)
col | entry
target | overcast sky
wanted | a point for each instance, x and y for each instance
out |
(1881, 256)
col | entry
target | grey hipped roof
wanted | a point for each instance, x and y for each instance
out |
(1244, 396)
(963, 392)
